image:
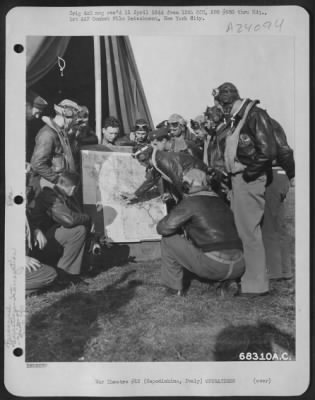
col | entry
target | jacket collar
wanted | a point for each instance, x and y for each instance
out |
(240, 105)
(237, 105)
(238, 110)
(51, 123)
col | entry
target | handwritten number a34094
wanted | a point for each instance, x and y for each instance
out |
(266, 26)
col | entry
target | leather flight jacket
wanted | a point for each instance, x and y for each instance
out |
(205, 219)
(285, 157)
(51, 156)
(257, 146)
(173, 165)
(53, 207)
(152, 179)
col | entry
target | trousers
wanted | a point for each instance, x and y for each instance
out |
(275, 236)
(65, 248)
(178, 253)
(39, 279)
(248, 203)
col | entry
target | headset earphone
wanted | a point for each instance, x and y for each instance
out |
(69, 112)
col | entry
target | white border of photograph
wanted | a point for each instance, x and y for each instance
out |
(81, 379)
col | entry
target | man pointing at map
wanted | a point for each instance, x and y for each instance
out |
(169, 165)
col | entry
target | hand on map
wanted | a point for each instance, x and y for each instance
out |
(165, 197)
(128, 197)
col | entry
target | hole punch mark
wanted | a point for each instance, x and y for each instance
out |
(18, 48)
(18, 352)
(18, 199)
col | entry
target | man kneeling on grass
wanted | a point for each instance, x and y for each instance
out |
(59, 216)
(199, 234)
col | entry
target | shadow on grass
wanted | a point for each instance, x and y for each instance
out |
(263, 340)
(60, 332)
(117, 255)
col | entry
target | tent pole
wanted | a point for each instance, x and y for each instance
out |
(98, 87)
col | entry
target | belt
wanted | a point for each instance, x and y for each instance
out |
(231, 263)
(279, 170)
(235, 173)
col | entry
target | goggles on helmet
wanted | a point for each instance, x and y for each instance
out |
(173, 124)
(141, 127)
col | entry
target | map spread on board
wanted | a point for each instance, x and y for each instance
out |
(106, 175)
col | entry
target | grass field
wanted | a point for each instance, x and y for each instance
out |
(124, 315)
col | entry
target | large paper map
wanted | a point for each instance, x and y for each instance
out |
(105, 176)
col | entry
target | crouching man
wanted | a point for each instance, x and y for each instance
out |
(37, 275)
(65, 226)
(199, 234)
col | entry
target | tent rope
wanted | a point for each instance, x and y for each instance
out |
(61, 65)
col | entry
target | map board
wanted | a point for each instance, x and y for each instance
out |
(107, 174)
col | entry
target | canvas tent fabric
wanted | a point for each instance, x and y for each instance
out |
(122, 90)
(41, 56)
(125, 92)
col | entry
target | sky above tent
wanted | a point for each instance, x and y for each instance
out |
(179, 72)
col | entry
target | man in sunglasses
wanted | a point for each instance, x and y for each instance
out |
(182, 139)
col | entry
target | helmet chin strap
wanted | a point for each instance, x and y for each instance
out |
(227, 108)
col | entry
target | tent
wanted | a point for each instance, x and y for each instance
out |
(97, 71)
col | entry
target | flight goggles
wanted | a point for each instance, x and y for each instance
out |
(142, 127)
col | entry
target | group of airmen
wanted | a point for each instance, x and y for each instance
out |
(224, 177)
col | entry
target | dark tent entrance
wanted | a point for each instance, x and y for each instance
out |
(99, 72)
(77, 82)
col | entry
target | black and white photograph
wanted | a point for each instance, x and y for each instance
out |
(158, 201)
